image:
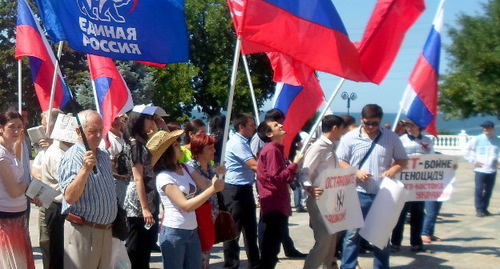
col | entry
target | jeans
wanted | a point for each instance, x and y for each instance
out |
(352, 240)
(431, 212)
(180, 249)
(484, 187)
(417, 214)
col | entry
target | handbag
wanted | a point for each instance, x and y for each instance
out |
(225, 227)
(206, 230)
(120, 228)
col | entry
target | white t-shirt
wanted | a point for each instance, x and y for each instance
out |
(7, 203)
(175, 217)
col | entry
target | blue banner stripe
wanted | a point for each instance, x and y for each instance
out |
(24, 16)
(419, 113)
(432, 49)
(318, 11)
(287, 95)
(102, 86)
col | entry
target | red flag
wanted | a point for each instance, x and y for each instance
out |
(113, 95)
(309, 31)
(288, 70)
(384, 34)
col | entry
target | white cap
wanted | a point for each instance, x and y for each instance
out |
(150, 110)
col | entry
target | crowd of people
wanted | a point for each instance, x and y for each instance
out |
(159, 174)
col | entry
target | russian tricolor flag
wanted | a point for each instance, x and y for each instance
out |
(421, 96)
(309, 31)
(298, 103)
(31, 42)
(113, 95)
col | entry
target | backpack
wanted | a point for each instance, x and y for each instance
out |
(123, 161)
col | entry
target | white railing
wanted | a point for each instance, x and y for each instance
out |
(450, 144)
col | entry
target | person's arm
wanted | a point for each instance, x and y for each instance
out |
(14, 189)
(396, 168)
(201, 181)
(138, 174)
(252, 164)
(177, 197)
(276, 170)
(75, 189)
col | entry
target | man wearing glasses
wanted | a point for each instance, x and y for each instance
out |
(372, 150)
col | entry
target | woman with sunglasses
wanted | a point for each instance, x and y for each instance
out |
(182, 191)
(141, 199)
(15, 245)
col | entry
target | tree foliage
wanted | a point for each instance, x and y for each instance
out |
(203, 82)
(472, 86)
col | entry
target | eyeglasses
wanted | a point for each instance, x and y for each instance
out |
(371, 123)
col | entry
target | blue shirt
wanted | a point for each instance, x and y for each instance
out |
(353, 147)
(237, 153)
(98, 202)
(485, 150)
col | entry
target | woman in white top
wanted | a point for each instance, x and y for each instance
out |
(182, 191)
(15, 245)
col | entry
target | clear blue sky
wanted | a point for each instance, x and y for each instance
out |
(355, 15)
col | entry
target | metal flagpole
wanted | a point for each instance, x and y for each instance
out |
(252, 92)
(230, 99)
(20, 85)
(323, 113)
(53, 89)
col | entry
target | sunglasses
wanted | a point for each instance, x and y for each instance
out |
(371, 123)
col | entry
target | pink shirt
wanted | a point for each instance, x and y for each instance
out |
(273, 176)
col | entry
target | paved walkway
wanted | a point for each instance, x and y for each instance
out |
(468, 241)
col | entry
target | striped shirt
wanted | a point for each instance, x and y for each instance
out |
(98, 202)
(353, 147)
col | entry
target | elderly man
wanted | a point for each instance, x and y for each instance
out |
(89, 198)
(372, 150)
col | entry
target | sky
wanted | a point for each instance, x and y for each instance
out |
(355, 15)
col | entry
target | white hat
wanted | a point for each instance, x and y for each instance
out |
(150, 110)
(65, 129)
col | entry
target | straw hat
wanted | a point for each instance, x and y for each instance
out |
(160, 142)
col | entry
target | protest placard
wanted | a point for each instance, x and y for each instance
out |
(429, 177)
(339, 203)
(384, 212)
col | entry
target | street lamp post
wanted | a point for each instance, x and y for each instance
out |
(349, 97)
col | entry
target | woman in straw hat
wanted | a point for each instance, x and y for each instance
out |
(182, 190)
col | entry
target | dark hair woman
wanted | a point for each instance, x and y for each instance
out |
(191, 128)
(15, 245)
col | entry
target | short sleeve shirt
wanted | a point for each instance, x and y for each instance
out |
(237, 153)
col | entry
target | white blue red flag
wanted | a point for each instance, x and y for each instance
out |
(113, 95)
(421, 96)
(31, 42)
(309, 31)
(142, 30)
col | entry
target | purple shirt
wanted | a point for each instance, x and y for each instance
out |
(273, 176)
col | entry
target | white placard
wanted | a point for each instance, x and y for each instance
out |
(429, 177)
(339, 203)
(384, 212)
(65, 129)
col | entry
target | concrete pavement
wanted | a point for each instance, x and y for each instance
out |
(468, 241)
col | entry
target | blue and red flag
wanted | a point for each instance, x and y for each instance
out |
(113, 95)
(384, 35)
(309, 31)
(147, 30)
(421, 97)
(31, 42)
(298, 94)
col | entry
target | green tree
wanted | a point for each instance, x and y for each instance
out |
(472, 86)
(203, 82)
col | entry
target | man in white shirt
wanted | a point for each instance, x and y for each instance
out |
(483, 150)
(319, 157)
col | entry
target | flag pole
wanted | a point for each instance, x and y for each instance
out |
(53, 89)
(230, 98)
(320, 117)
(252, 92)
(20, 85)
(94, 90)
(397, 118)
